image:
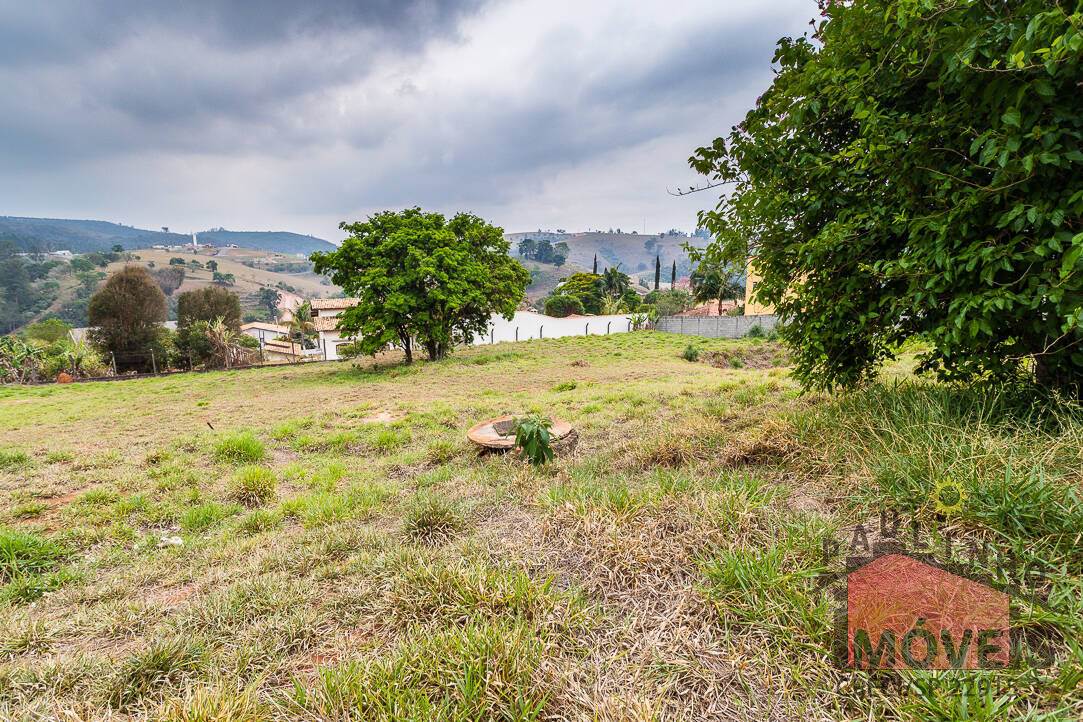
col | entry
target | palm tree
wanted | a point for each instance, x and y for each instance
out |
(616, 283)
(301, 326)
(222, 339)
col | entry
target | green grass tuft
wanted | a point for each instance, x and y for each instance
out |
(252, 485)
(239, 448)
(432, 518)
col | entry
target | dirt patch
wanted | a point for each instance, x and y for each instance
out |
(64, 500)
(750, 357)
(380, 417)
(171, 595)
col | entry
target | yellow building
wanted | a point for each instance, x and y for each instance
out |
(751, 308)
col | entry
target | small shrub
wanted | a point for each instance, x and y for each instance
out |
(57, 457)
(755, 331)
(433, 519)
(690, 353)
(253, 485)
(240, 448)
(565, 386)
(737, 363)
(533, 439)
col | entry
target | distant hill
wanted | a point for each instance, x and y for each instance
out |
(56, 234)
(634, 252)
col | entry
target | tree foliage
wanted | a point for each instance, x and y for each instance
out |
(588, 288)
(916, 170)
(715, 282)
(209, 304)
(197, 312)
(269, 298)
(561, 305)
(169, 278)
(126, 313)
(422, 278)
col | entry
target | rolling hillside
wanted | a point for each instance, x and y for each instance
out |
(83, 236)
(70, 302)
(634, 252)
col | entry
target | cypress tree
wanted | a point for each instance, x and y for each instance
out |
(673, 278)
(595, 270)
(657, 271)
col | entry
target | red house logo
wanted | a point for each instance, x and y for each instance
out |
(905, 614)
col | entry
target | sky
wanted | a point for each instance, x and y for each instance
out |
(284, 115)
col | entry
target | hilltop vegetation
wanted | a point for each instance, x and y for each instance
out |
(634, 253)
(80, 236)
(335, 549)
(56, 288)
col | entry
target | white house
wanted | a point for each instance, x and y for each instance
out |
(325, 313)
(264, 331)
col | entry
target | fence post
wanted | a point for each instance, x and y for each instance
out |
(610, 323)
(541, 332)
(492, 335)
(113, 356)
(516, 333)
(586, 329)
(153, 363)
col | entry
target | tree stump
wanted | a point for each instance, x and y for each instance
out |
(496, 435)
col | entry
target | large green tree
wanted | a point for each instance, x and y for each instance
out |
(126, 315)
(199, 310)
(916, 170)
(209, 304)
(588, 288)
(420, 278)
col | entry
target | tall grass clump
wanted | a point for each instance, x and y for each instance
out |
(253, 485)
(154, 669)
(25, 554)
(479, 671)
(239, 448)
(433, 519)
(206, 515)
(10, 460)
(1016, 458)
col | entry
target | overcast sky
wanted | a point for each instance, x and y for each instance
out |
(291, 115)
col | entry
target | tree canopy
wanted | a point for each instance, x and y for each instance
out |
(209, 304)
(916, 170)
(715, 282)
(126, 313)
(420, 278)
(588, 288)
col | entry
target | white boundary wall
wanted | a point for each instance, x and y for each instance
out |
(527, 325)
(523, 327)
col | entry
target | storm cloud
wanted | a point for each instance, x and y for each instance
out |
(286, 115)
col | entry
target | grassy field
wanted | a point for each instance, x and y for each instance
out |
(321, 542)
